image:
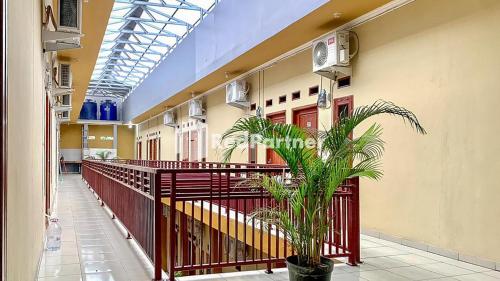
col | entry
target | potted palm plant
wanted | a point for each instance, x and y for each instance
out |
(315, 174)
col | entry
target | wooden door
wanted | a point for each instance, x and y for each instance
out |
(139, 150)
(185, 146)
(271, 156)
(155, 149)
(194, 146)
(306, 118)
(159, 149)
(150, 149)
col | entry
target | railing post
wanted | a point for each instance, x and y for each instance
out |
(171, 229)
(356, 219)
(354, 227)
(155, 180)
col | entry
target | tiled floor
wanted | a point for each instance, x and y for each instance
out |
(94, 247)
(383, 261)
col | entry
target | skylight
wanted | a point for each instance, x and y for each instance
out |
(140, 34)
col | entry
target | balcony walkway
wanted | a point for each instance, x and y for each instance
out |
(382, 261)
(94, 246)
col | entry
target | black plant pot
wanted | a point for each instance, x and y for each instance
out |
(300, 273)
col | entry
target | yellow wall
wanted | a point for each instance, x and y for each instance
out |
(439, 59)
(71, 136)
(99, 131)
(125, 143)
(26, 105)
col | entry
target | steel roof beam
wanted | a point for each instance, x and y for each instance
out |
(151, 20)
(163, 4)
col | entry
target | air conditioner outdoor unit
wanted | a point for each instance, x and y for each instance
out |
(70, 16)
(331, 55)
(237, 94)
(62, 102)
(63, 116)
(65, 77)
(196, 110)
(169, 119)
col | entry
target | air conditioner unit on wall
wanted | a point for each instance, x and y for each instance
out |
(331, 55)
(64, 75)
(196, 110)
(62, 102)
(237, 94)
(169, 119)
(63, 116)
(70, 16)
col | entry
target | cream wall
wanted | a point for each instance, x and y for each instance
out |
(439, 59)
(283, 78)
(26, 104)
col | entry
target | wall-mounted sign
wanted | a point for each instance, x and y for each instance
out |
(107, 138)
(91, 137)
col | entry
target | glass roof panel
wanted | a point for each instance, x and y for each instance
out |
(139, 35)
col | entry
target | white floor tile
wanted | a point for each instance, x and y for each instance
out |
(415, 273)
(381, 275)
(59, 270)
(476, 277)
(445, 269)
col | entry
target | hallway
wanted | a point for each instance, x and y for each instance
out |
(93, 246)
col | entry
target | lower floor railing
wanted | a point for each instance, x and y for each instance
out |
(198, 219)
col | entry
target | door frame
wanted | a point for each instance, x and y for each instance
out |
(268, 150)
(3, 137)
(349, 100)
(302, 108)
(188, 127)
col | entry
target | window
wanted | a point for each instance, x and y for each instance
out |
(253, 106)
(269, 103)
(296, 95)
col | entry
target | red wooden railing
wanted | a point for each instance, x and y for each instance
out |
(211, 225)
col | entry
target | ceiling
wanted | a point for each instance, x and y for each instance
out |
(140, 33)
(304, 30)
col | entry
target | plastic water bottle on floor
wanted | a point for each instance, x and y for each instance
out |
(54, 232)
